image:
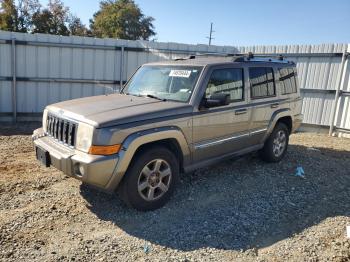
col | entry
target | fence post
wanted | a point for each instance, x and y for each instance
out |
(121, 67)
(338, 92)
(14, 84)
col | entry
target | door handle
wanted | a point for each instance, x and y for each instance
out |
(275, 105)
(240, 111)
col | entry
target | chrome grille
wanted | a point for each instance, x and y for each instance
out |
(61, 129)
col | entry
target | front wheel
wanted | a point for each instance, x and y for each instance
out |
(276, 145)
(150, 179)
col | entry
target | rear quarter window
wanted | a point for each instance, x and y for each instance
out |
(288, 81)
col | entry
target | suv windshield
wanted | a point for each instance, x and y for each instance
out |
(164, 82)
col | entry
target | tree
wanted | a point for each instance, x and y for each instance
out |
(121, 19)
(25, 10)
(59, 18)
(52, 20)
(8, 16)
(17, 18)
(76, 27)
(42, 22)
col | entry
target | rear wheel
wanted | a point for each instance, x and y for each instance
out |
(276, 145)
(150, 179)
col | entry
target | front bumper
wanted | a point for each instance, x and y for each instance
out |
(95, 170)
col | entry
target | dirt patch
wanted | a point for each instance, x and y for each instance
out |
(242, 210)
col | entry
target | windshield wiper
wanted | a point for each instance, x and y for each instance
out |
(156, 97)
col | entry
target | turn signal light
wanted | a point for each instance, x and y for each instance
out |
(104, 150)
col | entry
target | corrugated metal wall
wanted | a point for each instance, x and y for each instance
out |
(53, 68)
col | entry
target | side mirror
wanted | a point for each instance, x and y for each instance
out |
(219, 99)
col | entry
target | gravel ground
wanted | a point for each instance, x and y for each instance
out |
(241, 210)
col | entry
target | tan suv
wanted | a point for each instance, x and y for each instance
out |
(171, 117)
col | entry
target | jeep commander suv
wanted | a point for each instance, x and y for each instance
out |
(171, 117)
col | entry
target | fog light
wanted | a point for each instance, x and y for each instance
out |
(79, 169)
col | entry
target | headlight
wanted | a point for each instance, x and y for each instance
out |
(44, 120)
(84, 137)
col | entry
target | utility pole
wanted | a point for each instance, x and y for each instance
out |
(211, 33)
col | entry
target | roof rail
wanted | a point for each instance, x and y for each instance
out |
(235, 56)
(241, 57)
(216, 54)
(193, 56)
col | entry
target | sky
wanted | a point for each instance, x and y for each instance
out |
(240, 22)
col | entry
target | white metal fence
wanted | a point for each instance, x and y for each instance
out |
(36, 70)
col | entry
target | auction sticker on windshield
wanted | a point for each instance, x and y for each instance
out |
(180, 73)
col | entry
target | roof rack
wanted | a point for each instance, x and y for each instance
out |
(266, 58)
(241, 57)
(278, 56)
(194, 56)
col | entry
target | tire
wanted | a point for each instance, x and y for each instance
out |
(276, 145)
(150, 179)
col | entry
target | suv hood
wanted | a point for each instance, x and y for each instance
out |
(116, 109)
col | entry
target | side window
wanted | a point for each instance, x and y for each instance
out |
(288, 80)
(262, 82)
(229, 81)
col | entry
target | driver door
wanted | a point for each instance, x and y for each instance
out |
(222, 130)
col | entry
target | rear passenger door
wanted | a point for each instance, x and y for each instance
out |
(264, 101)
(225, 129)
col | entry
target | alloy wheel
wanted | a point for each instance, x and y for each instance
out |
(154, 179)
